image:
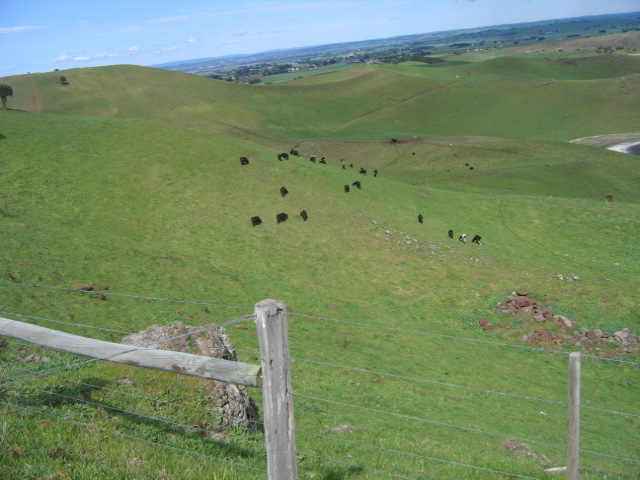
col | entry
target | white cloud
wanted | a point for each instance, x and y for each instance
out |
(18, 29)
(192, 40)
(62, 58)
(80, 59)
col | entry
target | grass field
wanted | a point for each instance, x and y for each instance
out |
(130, 177)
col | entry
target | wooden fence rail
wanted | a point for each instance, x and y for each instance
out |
(273, 374)
(177, 362)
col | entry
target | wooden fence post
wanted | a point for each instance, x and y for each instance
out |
(573, 431)
(271, 323)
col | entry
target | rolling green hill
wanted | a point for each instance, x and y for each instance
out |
(130, 177)
(504, 97)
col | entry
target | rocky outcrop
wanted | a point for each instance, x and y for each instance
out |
(541, 316)
(233, 403)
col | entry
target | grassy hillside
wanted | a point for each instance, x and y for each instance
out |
(130, 178)
(503, 97)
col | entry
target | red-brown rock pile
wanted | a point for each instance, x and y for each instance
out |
(521, 304)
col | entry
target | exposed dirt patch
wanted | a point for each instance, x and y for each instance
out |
(533, 322)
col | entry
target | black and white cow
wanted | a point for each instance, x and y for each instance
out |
(463, 238)
(477, 239)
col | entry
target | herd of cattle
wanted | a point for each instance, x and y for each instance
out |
(282, 217)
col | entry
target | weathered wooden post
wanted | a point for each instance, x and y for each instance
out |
(271, 323)
(573, 431)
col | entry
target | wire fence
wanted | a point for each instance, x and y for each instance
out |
(352, 416)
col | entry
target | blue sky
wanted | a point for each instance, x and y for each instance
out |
(44, 35)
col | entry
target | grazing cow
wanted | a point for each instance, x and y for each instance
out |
(346, 188)
(375, 172)
(357, 184)
(420, 218)
(463, 238)
(283, 191)
(294, 152)
(363, 171)
(283, 156)
(344, 167)
(450, 233)
(255, 221)
(282, 217)
(303, 214)
(323, 160)
(244, 161)
(312, 158)
(477, 239)
(393, 140)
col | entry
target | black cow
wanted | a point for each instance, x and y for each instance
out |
(294, 152)
(420, 218)
(346, 188)
(282, 217)
(283, 156)
(393, 140)
(255, 221)
(450, 233)
(463, 238)
(477, 239)
(303, 214)
(375, 172)
(323, 160)
(363, 171)
(244, 161)
(357, 184)
(283, 191)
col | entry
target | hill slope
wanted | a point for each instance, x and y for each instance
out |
(504, 97)
(131, 179)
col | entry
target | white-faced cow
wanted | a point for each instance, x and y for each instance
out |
(463, 238)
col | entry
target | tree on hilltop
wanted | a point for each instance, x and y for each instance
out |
(5, 91)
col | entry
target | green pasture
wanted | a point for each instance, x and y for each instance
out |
(130, 178)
